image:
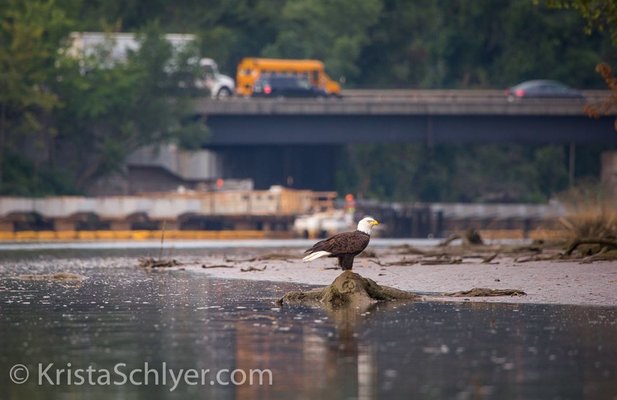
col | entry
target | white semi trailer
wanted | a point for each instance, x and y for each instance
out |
(84, 44)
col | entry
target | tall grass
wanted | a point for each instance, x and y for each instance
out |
(591, 212)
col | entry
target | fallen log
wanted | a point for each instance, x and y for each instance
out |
(486, 292)
(580, 241)
(150, 262)
(469, 237)
(253, 269)
(350, 289)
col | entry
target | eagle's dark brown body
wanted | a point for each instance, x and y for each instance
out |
(345, 246)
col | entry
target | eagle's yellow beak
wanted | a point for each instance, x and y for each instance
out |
(374, 222)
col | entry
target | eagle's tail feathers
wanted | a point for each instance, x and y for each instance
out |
(316, 255)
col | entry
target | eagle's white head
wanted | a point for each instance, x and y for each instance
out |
(366, 224)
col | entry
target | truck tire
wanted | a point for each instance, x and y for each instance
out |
(223, 93)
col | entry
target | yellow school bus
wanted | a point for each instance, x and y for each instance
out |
(250, 69)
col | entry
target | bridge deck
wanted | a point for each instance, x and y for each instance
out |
(404, 102)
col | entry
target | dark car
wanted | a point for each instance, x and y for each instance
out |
(542, 89)
(285, 86)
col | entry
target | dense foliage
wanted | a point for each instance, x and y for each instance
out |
(381, 43)
(486, 173)
(599, 15)
(67, 121)
(61, 128)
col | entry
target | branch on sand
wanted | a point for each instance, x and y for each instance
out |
(150, 262)
(601, 243)
(469, 237)
(253, 269)
(486, 292)
(264, 257)
(204, 266)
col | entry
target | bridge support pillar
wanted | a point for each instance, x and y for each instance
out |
(64, 225)
(120, 225)
(609, 172)
(267, 226)
(170, 225)
(7, 226)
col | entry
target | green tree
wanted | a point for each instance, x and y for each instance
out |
(229, 30)
(485, 173)
(111, 111)
(30, 34)
(403, 50)
(378, 43)
(332, 31)
(600, 15)
(476, 44)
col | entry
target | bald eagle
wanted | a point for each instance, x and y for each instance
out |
(345, 246)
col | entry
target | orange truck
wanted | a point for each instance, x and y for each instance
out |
(250, 69)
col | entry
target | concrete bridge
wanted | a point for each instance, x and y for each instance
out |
(297, 142)
(272, 141)
(429, 116)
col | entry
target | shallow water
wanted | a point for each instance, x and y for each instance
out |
(198, 244)
(182, 320)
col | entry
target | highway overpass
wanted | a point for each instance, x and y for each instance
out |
(299, 143)
(390, 116)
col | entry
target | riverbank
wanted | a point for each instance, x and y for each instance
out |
(545, 282)
(412, 265)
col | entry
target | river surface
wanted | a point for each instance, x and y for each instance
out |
(122, 319)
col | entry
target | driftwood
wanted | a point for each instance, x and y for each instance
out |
(406, 249)
(350, 289)
(216, 266)
(470, 236)
(150, 262)
(253, 269)
(264, 257)
(488, 259)
(590, 249)
(485, 292)
(57, 277)
(602, 255)
(402, 262)
(599, 242)
(539, 257)
(442, 261)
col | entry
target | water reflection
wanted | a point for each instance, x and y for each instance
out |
(187, 320)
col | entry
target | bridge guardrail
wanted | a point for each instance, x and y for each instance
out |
(452, 95)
